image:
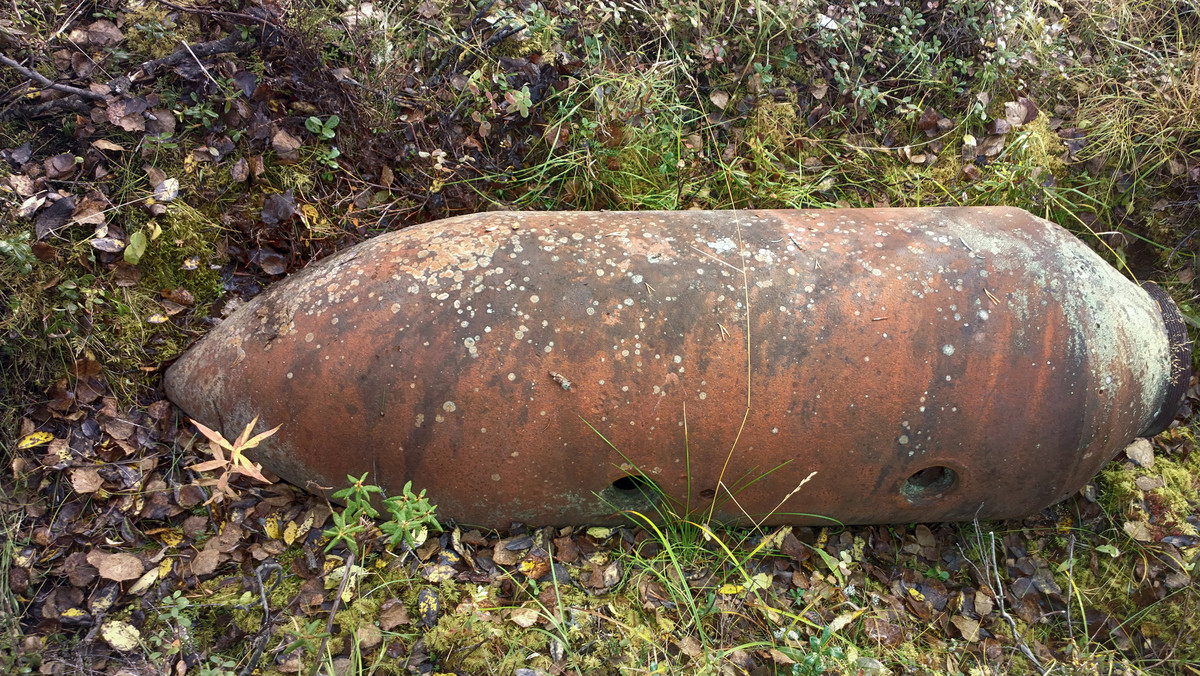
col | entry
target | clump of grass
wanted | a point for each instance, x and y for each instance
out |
(1146, 122)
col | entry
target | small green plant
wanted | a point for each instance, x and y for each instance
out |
(324, 130)
(346, 527)
(328, 158)
(309, 637)
(937, 573)
(821, 652)
(519, 100)
(409, 514)
(348, 523)
(199, 113)
(358, 496)
(176, 635)
(218, 665)
(18, 252)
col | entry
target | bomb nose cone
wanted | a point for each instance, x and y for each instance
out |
(1181, 360)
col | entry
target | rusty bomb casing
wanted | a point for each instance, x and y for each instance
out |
(927, 364)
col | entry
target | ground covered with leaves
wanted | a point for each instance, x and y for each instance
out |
(162, 163)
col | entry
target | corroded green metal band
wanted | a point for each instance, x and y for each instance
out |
(1181, 358)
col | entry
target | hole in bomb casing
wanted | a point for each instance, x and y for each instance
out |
(929, 484)
(632, 492)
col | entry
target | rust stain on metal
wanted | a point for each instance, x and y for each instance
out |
(1012, 364)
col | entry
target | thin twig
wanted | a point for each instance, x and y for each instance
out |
(1180, 246)
(69, 103)
(1004, 613)
(200, 63)
(332, 613)
(47, 82)
(264, 633)
(247, 18)
(227, 44)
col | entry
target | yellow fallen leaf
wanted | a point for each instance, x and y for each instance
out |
(271, 526)
(842, 620)
(120, 635)
(148, 578)
(331, 564)
(35, 439)
(294, 531)
(171, 537)
(761, 581)
(429, 605)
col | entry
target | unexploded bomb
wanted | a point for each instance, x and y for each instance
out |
(926, 364)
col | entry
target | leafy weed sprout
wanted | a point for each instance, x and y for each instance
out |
(233, 466)
(411, 515)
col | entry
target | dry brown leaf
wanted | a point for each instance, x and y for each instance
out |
(1139, 530)
(104, 33)
(992, 145)
(523, 617)
(983, 603)
(428, 9)
(127, 114)
(1149, 483)
(393, 614)
(240, 171)
(968, 627)
(286, 146)
(21, 184)
(779, 658)
(119, 428)
(160, 122)
(59, 166)
(206, 562)
(369, 636)
(689, 645)
(105, 144)
(886, 633)
(86, 479)
(116, 566)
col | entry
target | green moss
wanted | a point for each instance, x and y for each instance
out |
(773, 124)
(1042, 147)
(1113, 587)
(154, 33)
(1167, 506)
(184, 254)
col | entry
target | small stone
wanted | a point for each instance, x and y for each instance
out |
(1148, 483)
(1141, 452)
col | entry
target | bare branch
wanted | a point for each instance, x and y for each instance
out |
(47, 82)
(229, 43)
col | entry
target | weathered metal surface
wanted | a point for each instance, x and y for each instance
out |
(929, 364)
